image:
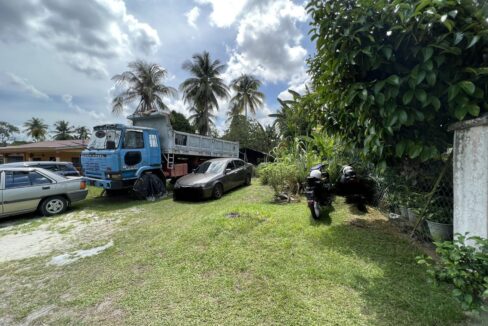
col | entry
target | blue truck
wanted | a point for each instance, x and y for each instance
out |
(118, 155)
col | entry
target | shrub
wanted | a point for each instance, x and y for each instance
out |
(283, 178)
(390, 75)
(262, 172)
(463, 266)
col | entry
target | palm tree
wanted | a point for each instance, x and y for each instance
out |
(82, 133)
(203, 90)
(63, 131)
(36, 128)
(248, 96)
(142, 84)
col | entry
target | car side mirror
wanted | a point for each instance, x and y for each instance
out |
(227, 170)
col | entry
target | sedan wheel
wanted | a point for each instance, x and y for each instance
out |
(54, 205)
(218, 191)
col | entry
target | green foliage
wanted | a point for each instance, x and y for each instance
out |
(36, 129)
(143, 85)
(463, 266)
(294, 118)
(247, 95)
(63, 130)
(282, 177)
(82, 132)
(203, 90)
(180, 123)
(389, 76)
(7, 131)
(251, 134)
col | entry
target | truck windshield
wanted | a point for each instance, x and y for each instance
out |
(211, 167)
(105, 139)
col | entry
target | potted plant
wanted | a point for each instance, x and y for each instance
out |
(439, 221)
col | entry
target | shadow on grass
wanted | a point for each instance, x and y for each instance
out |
(325, 218)
(401, 291)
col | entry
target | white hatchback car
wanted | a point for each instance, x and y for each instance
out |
(25, 190)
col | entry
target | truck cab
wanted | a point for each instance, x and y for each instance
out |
(117, 155)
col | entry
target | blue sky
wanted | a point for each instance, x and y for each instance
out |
(57, 56)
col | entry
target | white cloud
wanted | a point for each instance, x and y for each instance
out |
(192, 16)
(97, 116)
(268, 41)
(25, 86)
(84, 34)
(224, 12)
(298, 83)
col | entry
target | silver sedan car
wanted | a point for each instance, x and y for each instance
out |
(25, 190)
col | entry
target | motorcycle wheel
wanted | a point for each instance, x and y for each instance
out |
(315, 209)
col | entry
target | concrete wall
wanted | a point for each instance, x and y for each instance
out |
(471, 177)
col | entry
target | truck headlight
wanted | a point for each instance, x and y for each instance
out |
(114, 176)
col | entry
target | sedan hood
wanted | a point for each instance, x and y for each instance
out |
(196, 178)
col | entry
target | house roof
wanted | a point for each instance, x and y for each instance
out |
(52, 145)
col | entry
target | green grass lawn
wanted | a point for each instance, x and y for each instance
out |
(188, 263)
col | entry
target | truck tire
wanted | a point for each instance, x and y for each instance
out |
(218, 191)
(150, 187)
(53, 205)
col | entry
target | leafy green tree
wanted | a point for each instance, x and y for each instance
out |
(293, 118)
(143, 84)
(180, 123)
(82, 132)
(7, 131)
(63, 131)
(251, 134)
(247, 95)
(203, 90)
(389, 76)
(36, 129)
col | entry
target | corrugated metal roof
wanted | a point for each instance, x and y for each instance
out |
(48, 145)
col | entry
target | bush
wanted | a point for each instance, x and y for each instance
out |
(262, 172)
(282, 177)
(463, 266)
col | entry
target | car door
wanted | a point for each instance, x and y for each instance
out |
(240, 172)
(2, 179)
(24, 190)
(229, 178)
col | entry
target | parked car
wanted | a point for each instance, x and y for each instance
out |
(213, 178)
(66, 169)
(26, 189)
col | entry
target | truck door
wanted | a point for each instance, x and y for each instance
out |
(154, 149)
(133, 153)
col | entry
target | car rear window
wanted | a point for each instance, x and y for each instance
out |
(18, 179)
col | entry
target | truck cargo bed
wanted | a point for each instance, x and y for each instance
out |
(191, 144)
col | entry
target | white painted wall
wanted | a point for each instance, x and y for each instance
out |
(471, 177)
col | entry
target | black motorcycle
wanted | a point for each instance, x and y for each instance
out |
(318, 190)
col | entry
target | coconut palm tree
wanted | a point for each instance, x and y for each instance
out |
(36, 128)
(143, 84)
(248, 96)
(82, 132)
(203, 90)
(63, 131)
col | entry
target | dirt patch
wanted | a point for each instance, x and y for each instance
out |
(69, 258)
(27, 245)
(60, 233)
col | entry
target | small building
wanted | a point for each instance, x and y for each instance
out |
(54, 150)
(254, 156)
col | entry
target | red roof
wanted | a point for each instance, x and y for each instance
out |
(47, 145)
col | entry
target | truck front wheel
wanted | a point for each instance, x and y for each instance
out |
(150, 186)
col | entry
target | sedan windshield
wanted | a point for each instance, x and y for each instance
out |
(105, 139)
(211, 167)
